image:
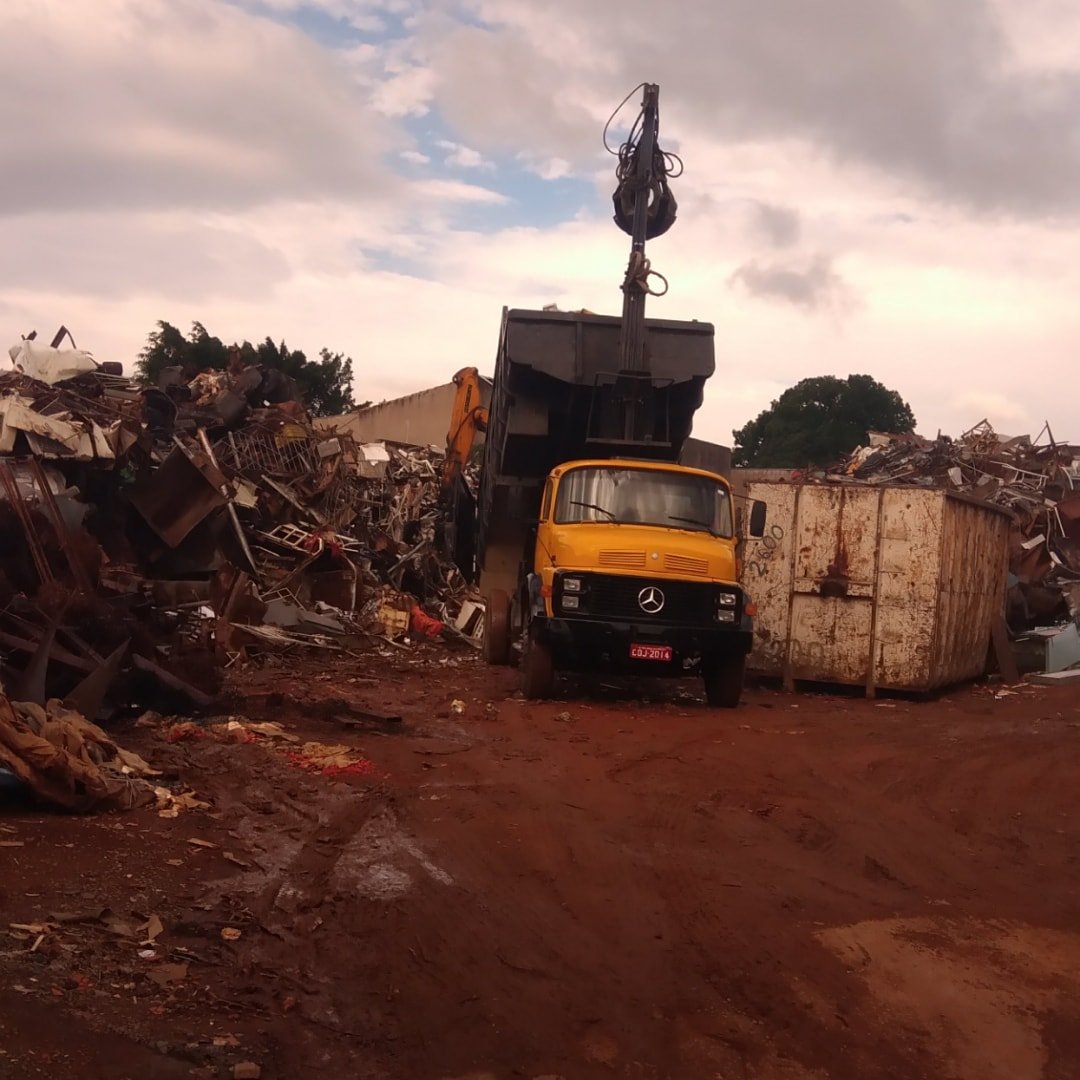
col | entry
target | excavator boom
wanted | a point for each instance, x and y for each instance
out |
(467, 418)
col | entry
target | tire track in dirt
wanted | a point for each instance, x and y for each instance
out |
(546, 965)
(752, 947)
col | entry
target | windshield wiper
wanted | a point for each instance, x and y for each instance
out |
(693, 521)
(594, 506)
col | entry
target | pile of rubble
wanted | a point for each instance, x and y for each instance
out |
(1038, 481)
(69, 763)
(152, 536)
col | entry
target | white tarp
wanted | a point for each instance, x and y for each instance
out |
(49, 365)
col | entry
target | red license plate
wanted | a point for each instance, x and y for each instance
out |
(650, 652)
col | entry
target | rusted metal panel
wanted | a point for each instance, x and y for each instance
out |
(829, 638)
(886, 587)
(766, 573)
(183, 492)
(907, 583)
(837, 534)
(974, 567)
(833, 585)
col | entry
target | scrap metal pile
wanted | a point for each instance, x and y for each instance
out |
(1037, 480)
(152, 536)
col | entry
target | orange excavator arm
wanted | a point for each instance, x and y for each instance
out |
(467, 418)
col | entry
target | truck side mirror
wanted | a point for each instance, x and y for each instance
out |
(757, 518)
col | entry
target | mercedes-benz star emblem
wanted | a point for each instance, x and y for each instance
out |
(651, 600)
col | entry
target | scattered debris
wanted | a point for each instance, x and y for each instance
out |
(1038, 482)
(172, 804)
(165, 974)
(151, 536)
(335, 760)
(1056, 678)
(151, 930)
(68, 762)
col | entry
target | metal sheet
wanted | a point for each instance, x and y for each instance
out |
(907, 586)
(830, 638)
(183, 492)
(972, 571)
(765, 570)
(837, 530)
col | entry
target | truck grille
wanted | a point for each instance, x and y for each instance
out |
(610, 596)
(685, 564)
(622, 560)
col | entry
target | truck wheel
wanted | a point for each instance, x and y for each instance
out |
(537, 670)
(724, 681)
(497, 628)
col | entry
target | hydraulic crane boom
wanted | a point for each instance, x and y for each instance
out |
(645, 208)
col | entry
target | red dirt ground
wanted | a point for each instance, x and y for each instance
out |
(600, 886)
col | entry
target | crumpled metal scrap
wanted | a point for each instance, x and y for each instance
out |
(1037, 480)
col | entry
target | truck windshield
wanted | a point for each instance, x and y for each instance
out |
(644, 497)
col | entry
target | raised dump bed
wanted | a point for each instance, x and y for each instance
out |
(558, 395)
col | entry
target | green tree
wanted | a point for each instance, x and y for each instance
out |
(819, 420)
(325, 384)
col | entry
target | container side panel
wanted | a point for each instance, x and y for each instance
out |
(830, 638)
(907, 588)
(766, 575)
(972, 589)
(837, 529)
(832, 606)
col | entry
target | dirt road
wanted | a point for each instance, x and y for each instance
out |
(811, 886)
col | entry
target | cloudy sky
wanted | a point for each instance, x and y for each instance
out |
(879, 186)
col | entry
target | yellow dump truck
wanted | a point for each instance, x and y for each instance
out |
(594, 550)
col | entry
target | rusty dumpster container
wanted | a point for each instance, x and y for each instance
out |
(885, 587)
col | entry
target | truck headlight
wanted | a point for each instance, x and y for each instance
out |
(570, 603)
(725, 616)
(571, 584)
(727, 599)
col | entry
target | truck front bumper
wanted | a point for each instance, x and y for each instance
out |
(598, 645)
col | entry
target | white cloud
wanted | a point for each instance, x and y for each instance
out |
(458, 191)
(552, 168)
(193, 159)
(1005, 414)
(405, 90)
(924, 93)
(165, 103)
(464, 157)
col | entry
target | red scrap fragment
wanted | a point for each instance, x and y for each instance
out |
(422, 623)
(185, 732)
(361, 767)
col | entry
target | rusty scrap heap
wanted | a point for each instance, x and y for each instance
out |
(1037, 480)
(151, 536)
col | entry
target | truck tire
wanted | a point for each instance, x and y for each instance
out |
(537, 670)
(724, 681)
(497, 628)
